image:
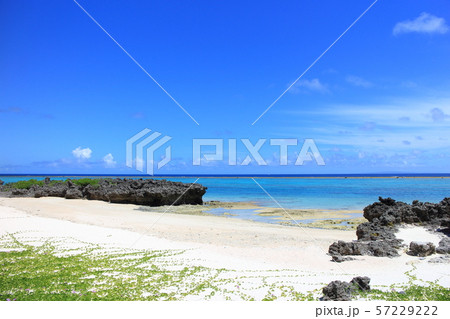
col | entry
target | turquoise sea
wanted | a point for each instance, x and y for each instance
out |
(310, 192)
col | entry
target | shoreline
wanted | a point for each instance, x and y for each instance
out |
(309, 218)
(135, 218)
(316, 218)
(304, 197)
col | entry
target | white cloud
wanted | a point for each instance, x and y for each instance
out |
(109, 161)
(397, 112)
(310, 85)
(357, 81)
(82, 153)
(424, 23)
(378, 126)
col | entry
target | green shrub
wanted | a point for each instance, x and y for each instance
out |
(85, 181)
(26, 184)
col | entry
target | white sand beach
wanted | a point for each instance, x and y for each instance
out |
(292, 255)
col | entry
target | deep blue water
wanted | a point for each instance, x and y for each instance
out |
(312, 192)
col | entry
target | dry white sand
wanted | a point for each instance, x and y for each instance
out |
(211, 241)
(409, 233)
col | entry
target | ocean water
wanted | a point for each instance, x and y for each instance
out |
(326, 193)
(331, 193)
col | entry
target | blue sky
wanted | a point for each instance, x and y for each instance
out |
(377, 102)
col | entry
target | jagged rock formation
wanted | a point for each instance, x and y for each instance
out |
(148, 192)
(444, 246)
(338, 258)
(379, 248)
(343, 291)
(421, 249)
(377, 236)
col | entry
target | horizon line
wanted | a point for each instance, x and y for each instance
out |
(239, 175)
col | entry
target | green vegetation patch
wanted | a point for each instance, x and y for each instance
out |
(47, 272)
(41, 273)
(85, 181)
(94, 272)
(415, 290)
(25, 184)
(33, 182)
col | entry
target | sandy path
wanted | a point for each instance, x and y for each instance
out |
(211, 241)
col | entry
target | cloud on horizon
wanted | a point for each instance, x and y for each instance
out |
(424, 23)
(82, 153)
(382, 127)
(109, 161)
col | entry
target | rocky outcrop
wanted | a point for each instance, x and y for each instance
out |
(421, 249)
(20, 192)
(377, 236)
(339, 258)
(1, 182)
(55, 190)
(370, 248)
(444, 246)
(343, 291)
(148, 192)
(388, 212)
(73, 193)
(361, 283)
(337, 291)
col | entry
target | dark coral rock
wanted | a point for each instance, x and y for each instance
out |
(73, 193)
(361, 283)
(421, 249)
(21, 192)
(339, 258)
(444, 246)
(343, 291)
(369, 248)
(377, 237)
(337, 291)
(141, 192)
